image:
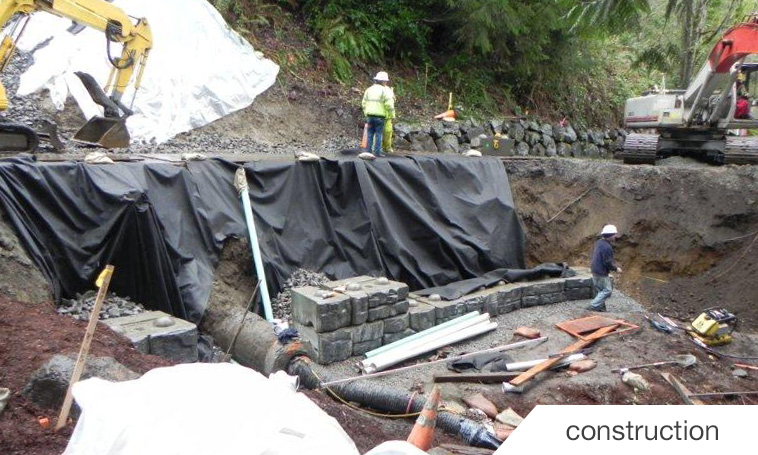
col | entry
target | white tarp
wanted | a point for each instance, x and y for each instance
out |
(198, 70)
(201, 409)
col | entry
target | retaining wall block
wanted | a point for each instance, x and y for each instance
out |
(530, 301)
(473, 303)
(367, 332)
(364, 347)
(490, 303)
(323, 314)
(392, 337)
(579, 282)
(396, 324)
(399, 308)
(540, 288)
(578, 293)
(421, 316)
(327, 347)
(507, 306)
(380, 312)
(358, 306)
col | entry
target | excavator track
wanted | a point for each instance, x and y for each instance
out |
(640, 149)
(739, 150)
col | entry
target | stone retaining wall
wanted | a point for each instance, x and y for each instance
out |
(351, 317)
(532, 138)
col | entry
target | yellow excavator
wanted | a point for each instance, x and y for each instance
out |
(108, 131)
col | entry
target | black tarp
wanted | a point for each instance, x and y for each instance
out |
(426, 221)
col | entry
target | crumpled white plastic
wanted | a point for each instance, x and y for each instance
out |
(201, 409)
(198, 70)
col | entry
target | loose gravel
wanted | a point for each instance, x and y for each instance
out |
(282, 304)
(113, 306)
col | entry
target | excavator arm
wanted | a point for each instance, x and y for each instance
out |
(108, 131)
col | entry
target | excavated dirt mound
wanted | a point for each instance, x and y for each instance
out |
(30, 334)
(684, 229)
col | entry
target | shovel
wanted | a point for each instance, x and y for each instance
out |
(683, 360)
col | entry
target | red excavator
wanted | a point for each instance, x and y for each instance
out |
(697, 121)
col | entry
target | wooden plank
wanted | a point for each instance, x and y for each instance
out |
(682, 390)
(746, 366)
(484, 378)
(578, 327)
(577, 345)
(84, 349)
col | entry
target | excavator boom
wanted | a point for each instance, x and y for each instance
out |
(136, 38)
(696, 121)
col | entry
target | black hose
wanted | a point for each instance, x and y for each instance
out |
(390, 400)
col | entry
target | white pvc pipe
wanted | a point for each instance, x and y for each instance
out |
(452, 338)
(431, 338)
(421, 334)
(240, 182)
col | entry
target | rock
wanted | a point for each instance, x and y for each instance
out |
(437, 130)
(577, 150)
(532, 137)
(580, 366)
(517, 131)
(509, 417)
(532, 125)
(452, 407)
(569, 135)
(591, 151)
(47, 386)
(475, 142)
(473, 154)
(402, 130)
(451, 128)
(522, 149)
(422, 142)
(527, 332)
(550, 149)
(5, 395)
(635, 380)
(478, 401)
(739, 373)
(496, 126)
(546, 129)
(538, 149)
(563, 149)
(448, 143)
(558, 132)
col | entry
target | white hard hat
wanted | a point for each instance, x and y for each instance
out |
(382, 76)
(609, 229)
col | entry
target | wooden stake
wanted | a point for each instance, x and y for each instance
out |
(103, 281)
(680, 388)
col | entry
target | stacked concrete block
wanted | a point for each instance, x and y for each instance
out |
(543, 292)
(158, 333)
(350, 317)
(421, 316)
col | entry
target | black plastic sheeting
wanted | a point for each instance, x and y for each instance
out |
(426, 221)
(458, 289)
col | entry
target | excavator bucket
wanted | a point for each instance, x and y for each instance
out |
(104, 132)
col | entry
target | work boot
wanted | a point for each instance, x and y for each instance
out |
(601, 309)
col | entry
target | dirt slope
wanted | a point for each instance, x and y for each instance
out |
(684, 229)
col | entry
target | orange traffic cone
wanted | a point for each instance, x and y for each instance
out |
(364, 141)
(422, 434)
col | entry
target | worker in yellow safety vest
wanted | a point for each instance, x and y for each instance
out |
(378, 105)
(388, 131)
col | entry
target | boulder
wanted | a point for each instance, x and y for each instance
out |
(422, 142)
(569, 135)
(591, 151)
(533, 126)
(478, 401)
(549, 144)
(522, 149)
(538, 149)
(48, 385)
(496, 126)
(527, 332)
(563, 149)
(402, 130)
(517, 131)
(448, 143)
(532, 137)
(437, 129)
(546, 129)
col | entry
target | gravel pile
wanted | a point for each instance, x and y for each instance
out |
(282, 304)
(113, 306)
(24, 109)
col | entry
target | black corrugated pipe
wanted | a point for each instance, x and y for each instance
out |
(395, 401)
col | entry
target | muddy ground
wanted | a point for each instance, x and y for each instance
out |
(687, 232)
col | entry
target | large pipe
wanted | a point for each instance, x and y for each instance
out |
(427, 340)
(422, 334)
(240, 182)
(395, 401)
(256, 345)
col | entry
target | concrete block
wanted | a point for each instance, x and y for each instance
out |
(323, 314)
(509, 292)
(490, 303)
(358, 307)
(421, 317)
(473, 303)
(327, 347)
(332, 285)
(578, 293)
(364, 347)
(507, 307)
(380, 312)
(396, 324)
(399, 308)
(445, 309)
(156, 332)
(555, 297)
(385, 293)
(367, 332)
(579, 282)
(392, 337)
(531, 300)
(540, 288)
